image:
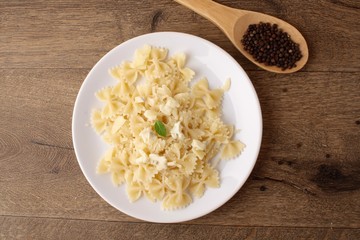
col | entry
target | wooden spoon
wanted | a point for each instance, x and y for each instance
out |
(234, 23)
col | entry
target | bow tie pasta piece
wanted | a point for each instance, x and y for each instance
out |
(112, 105)
(123, 90)
(185, 73)
(171, 168)
(98, 122)
(144, 173)
(158, 54)
(126, 72)
(105, 162)
(209, 177)
(232, 149)
(176, 200)
(141, 57)
(176, 196)
(188, 164)
(134, 190)
(155, 190)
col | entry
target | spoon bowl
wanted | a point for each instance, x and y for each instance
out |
(235, 22)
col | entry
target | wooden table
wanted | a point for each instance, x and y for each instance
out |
(305, 185)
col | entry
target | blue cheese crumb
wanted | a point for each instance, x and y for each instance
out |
(160, 162)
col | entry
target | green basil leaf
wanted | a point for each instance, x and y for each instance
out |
(160, 128)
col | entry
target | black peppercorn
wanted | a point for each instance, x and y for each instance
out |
(270, 45)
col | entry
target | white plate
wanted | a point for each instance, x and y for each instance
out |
(241, 107)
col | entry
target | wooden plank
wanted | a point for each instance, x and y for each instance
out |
(74, 34)
(47, 228)
(55, 34)
(307, 174)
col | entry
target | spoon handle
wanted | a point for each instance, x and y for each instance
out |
(222, 16)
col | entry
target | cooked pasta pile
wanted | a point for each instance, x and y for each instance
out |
(175, 167)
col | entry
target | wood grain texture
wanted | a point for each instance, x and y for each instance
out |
(74, 34)
(40, 228)
(305, 185)
(307, 173)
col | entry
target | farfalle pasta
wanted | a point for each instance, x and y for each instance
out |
(176, 167)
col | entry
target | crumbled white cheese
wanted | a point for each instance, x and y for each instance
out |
(198, 145)
(169, 106)
(165, 110)
(176, 131)
(139, 100)
(159, 161)
(150, 115)
(151, 101)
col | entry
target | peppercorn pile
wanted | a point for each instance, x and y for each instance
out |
(271, 46)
